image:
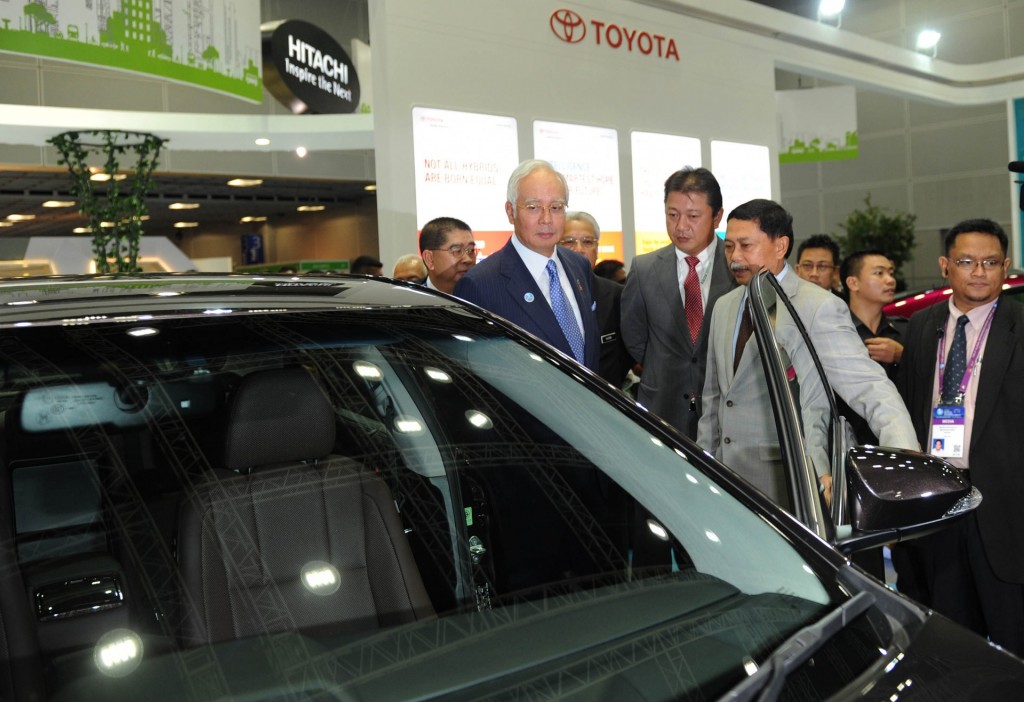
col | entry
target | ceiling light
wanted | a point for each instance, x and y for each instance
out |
(247, 219)
(183, 206)
(59, 203)
(263, 141)
(185, 225)
(928, 40)
(20, 217)
(830, 8)
(104, 177)
(311, 208)
(82, 230)
(371, 188)
(301, 152)
(245, 182)
(6, 224)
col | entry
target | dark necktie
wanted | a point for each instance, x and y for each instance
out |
(746, 329)
(956, 362)
(563, 313)
(692, 299)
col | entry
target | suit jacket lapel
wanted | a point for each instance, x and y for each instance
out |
(524, 291)
(667, 276)
(577, 285)
(998, 349)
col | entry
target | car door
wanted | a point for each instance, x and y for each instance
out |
(879, 495)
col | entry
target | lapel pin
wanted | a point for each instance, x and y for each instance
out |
(528, 297)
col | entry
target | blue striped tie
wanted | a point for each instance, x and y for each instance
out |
(563, 313)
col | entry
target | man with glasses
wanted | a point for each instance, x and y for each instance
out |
(448, 250)
(582, 235)
(670, 294)
(962, 376)
(817, 261)
(531, 281)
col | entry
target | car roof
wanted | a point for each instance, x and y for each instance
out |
(50, 297)
(906, 304)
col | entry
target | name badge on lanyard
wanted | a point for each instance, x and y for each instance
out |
(949, 419)
(948, 425)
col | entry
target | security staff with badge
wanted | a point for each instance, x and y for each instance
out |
(962, 377)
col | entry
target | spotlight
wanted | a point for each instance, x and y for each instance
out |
(831, 9)
(928, 40)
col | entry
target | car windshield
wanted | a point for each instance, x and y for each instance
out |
(385, 504)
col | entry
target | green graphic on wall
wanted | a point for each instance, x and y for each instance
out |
(212, 44)
(817, 124)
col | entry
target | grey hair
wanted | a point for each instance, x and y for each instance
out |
(586, 218)
(526, 168)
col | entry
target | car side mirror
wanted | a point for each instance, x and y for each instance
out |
(896, 494)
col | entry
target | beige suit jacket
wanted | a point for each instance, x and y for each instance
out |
(738, 424)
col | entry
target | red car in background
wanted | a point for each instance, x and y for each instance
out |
(907, 304)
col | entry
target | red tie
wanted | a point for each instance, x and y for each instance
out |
(692, 300)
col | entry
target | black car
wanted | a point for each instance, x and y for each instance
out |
(273, 488)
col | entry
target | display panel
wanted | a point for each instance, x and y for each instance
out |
(588, 157)
(655, 158)
(744, 172)
(463, 161)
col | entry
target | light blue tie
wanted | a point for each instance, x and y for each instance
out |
(563, 313)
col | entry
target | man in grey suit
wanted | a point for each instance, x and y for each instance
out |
(738, 425)
(669, 296)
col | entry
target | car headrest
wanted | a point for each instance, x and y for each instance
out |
(277, 416)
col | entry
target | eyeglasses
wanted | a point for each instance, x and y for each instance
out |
(811, 266)
(987, 264)
(556, 209)
(460, 250)
(586, 242)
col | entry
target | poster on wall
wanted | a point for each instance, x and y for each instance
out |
(213, 44)
(655, 158)
(462, 164)
(588, 157)
(743, 170)
(817, 124)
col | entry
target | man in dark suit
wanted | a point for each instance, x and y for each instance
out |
(973, 371)
(582, 235)
(531, 281)
(670, 294)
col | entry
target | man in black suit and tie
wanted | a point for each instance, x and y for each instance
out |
(962, 377)
(670, 294)
(582, 235)
(531, 281)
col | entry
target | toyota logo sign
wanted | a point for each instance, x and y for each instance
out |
(568, 26)
(572, 29)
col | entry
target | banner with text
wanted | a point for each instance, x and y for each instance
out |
(213, 44)
(655, 158)
(588, 157)
(463, 161)
(744, 171)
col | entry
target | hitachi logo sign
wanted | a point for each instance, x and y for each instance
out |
(317, 60)
(573, 29)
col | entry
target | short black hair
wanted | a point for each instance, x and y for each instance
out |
(854, 263)
(608, 268)
(696, 180)
(820, 241)
(771, 218)
(363, 264)
(435, 232)
(981, 226)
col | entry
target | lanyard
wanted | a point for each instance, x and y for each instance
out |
(971, 362)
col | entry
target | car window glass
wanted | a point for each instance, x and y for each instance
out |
(525, 498)
(801, 398)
